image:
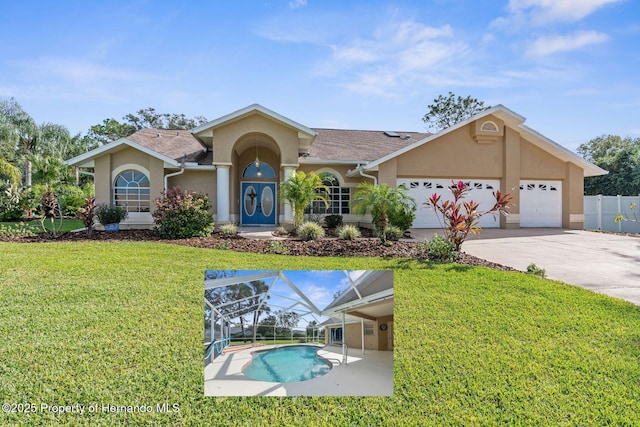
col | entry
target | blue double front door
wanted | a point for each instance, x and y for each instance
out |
(258, 203)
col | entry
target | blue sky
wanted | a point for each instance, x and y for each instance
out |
(319, 286)
(570, 67)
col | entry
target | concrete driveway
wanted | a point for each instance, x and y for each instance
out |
(605, 263)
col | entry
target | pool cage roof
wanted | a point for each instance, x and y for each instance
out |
(371, 289)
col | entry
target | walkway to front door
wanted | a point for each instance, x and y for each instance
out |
(258, 203)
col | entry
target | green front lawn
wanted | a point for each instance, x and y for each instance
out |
(121, 324)
(36, 226)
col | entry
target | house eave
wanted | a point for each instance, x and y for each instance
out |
(87, 159)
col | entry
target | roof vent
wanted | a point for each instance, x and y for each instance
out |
(158, 135)
(406, 137)
(392, 134)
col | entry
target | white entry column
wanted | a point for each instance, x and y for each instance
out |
(223, 193)
(288, 212)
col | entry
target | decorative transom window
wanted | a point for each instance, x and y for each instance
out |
(338, 198)
(258, 170)
(489, 127)
(131, 191)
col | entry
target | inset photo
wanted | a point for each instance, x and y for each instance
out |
(298, 333)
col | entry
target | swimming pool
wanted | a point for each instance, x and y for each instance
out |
(287, 364)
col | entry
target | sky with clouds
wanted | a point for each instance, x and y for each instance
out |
(319, 286)
(570, 67)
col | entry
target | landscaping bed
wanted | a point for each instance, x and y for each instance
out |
(367, 247)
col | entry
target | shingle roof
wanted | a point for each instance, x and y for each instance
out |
(180, 145)
(342, 144)
(330, 144)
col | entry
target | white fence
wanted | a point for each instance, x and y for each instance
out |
(601, 211)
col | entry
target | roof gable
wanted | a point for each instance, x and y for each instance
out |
(511, 119)
(250, 110)
(87, 159)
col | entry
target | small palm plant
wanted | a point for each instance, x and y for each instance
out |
(300, 190)
(383, 202)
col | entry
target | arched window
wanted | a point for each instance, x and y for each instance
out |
(262, 170)
(338, 198)
(131, 191)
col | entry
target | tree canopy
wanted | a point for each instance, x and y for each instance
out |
(449, 110)
(621, 157)
(111, 129)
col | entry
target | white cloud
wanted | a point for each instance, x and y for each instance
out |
(295, 4)
(525, 13)
(549, 45)
(395, 56)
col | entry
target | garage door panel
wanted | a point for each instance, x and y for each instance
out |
(422, 188)
(540, 203)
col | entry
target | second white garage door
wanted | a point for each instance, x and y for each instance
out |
(540, 203)
(422, 188)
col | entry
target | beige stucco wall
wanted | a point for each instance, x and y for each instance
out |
(198, 181)
(505, 155)
(226, 136)
(455, 154)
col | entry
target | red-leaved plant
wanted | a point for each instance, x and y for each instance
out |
(458, 218)
(87, 213)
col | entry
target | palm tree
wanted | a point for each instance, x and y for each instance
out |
(382, 201)
(300, 190)
(23, 129)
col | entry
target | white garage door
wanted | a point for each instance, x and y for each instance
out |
(422, 188)
(540, 204)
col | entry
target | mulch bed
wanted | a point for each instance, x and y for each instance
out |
(325, 247)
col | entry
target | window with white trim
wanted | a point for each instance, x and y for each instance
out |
(131, 190)
(338, 198)
(369, 328)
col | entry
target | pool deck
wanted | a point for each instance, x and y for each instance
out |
(370, 374)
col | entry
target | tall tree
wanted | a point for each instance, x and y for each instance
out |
(111, 129)
(24, 129)
(619, 156)
(449, 110)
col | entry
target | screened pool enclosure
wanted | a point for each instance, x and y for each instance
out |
(280, 307)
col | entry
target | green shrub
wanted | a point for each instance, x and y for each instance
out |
(11, 201)
(333, 221)
(535, 270)
(310, 231)
(348, 232)
(11, 214)
(393, 233)
(228, 230)
(182, 214)
(88, 189)
(110, 214)
(71, 199)
(439, 249)
(277, 247)
(402, 216)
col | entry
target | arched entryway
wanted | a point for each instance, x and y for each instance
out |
(258, 166)
(258, 201)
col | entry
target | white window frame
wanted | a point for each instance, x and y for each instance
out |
(339, 198)
(139, 204)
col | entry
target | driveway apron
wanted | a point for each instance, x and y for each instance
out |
(600, 262)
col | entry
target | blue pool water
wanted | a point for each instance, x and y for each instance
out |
(287, 364)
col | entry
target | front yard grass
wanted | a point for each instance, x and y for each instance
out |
(102, 323)
(36, 226)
